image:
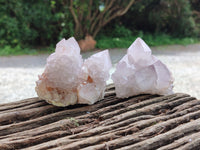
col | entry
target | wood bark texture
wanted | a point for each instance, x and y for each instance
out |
(143, 122)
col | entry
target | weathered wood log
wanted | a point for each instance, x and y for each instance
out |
(141, 122)
(182, 141)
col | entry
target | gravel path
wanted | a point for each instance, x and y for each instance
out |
(19, 73)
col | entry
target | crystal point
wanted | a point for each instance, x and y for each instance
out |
(95, 71)
(139, 72)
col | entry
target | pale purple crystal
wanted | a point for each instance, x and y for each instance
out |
(139, 72)
(95, 73)
(67, 80)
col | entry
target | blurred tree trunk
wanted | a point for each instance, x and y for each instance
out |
(90, 16)
(195, 4)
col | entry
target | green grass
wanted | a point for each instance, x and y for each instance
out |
(106, 43)
(125, 42)
(8, 51)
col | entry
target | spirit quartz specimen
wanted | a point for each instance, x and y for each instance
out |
(67, 80)
(139, 72)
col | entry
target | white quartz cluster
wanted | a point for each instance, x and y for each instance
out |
(67, 80)
(140, 72)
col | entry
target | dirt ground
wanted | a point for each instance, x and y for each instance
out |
(19, 73)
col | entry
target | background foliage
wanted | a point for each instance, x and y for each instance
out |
(33, 22)
(36, 23)
(160, 16)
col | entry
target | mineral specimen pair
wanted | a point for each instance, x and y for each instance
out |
(68, 80)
